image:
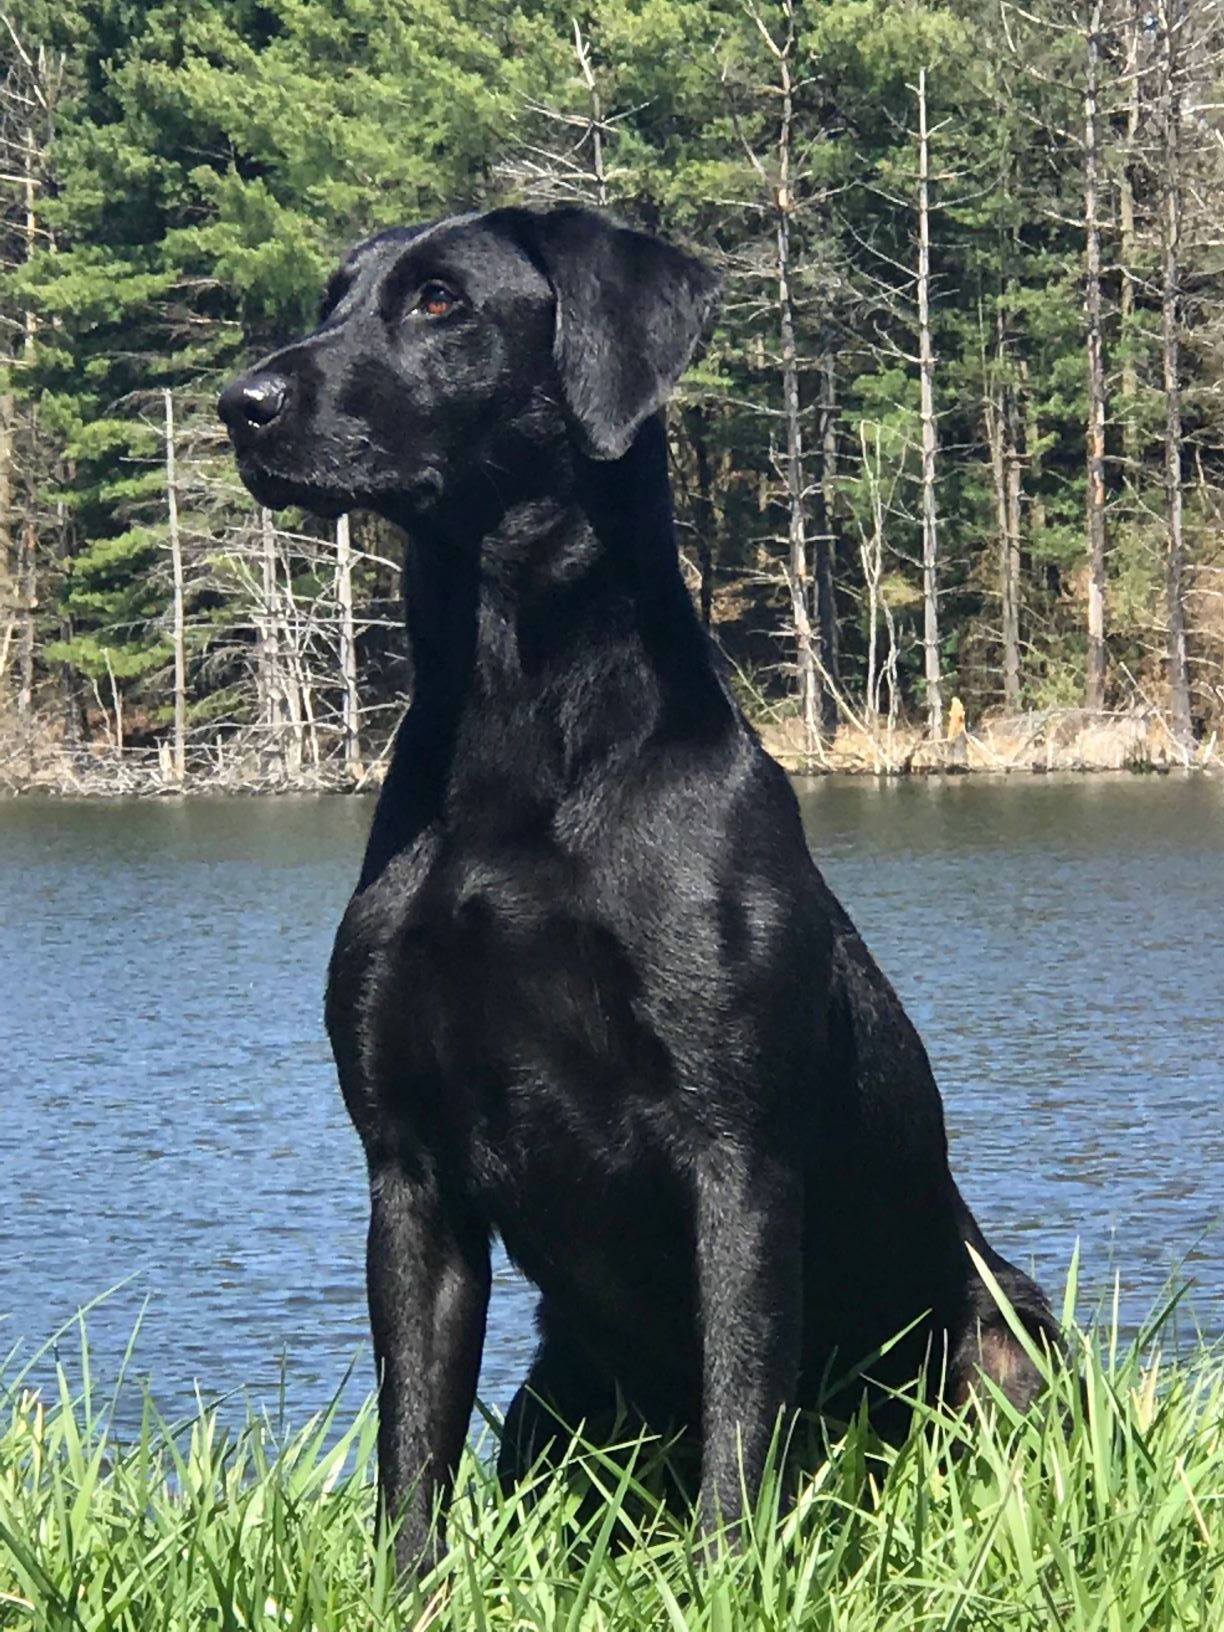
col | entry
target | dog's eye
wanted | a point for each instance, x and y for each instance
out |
(437, 300)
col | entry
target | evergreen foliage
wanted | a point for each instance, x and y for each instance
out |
(177, 182)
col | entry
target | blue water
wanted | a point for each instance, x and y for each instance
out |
(170, 1118)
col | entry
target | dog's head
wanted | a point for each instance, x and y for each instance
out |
(460, 352)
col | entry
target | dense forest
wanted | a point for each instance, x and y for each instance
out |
(955, 445)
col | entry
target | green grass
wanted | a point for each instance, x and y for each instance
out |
(1101, 1512)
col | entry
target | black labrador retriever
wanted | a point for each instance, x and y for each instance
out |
(592, 993)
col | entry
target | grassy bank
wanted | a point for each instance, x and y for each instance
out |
(1106, 1513)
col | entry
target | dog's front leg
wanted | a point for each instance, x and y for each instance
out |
(749, 1229)
(427, 1272)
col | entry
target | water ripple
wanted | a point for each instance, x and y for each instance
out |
(171, 1115)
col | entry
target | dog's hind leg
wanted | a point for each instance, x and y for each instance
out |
(993, 1350)
(988, 1347)
(561, 1399)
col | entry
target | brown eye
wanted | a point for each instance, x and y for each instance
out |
(437, 300)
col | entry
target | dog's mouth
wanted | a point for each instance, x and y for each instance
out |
(277, 492)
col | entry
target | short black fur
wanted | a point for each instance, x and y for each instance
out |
(592, 994)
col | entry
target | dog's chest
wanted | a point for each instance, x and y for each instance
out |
(505, 1022)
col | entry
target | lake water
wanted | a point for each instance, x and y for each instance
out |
(170, 1118)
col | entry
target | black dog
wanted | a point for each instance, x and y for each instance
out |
(591, 993)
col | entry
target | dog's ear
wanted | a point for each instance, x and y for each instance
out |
(630, 309)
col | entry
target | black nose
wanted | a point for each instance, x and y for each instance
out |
(253, 401)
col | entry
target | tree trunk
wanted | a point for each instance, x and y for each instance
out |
(27, 589)
(271, 697)
(293, 637)
(27, 558)
(871, 554)
(1127, 236)
(71, 697)
(598, 169)
(1011, 565)
(295, 745)
(999, 418)
(1094, 691)
(350, 710)
(8, 554)
(796, 483)
(705, 514)
(797, 564)
(1171, 16)
(116, 703)
(826, 603)
(926, 363)
(31, 86)
(1033, 454)
(176, 566)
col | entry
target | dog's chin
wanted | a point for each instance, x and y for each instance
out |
(277, 492)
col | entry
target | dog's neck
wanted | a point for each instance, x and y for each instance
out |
(559, 636)
(507, 599)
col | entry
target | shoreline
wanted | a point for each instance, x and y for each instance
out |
(1076, 741)
(96, 793)
(1070, 741)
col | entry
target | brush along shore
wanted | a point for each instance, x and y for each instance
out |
(1055, 740)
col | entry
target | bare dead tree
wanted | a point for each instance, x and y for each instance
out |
(563, 153)
(696, 424)
(825, 541)
(8, 576)
(796, 478)
(29, 95)
(813, 611)
(178, 616)
(351, 700)
(270, 692)
(1094, 693)
(1172, 21)
(880, 491)
(1001, 412)
(1127, 245)
(926, 374)
(1088, 59)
